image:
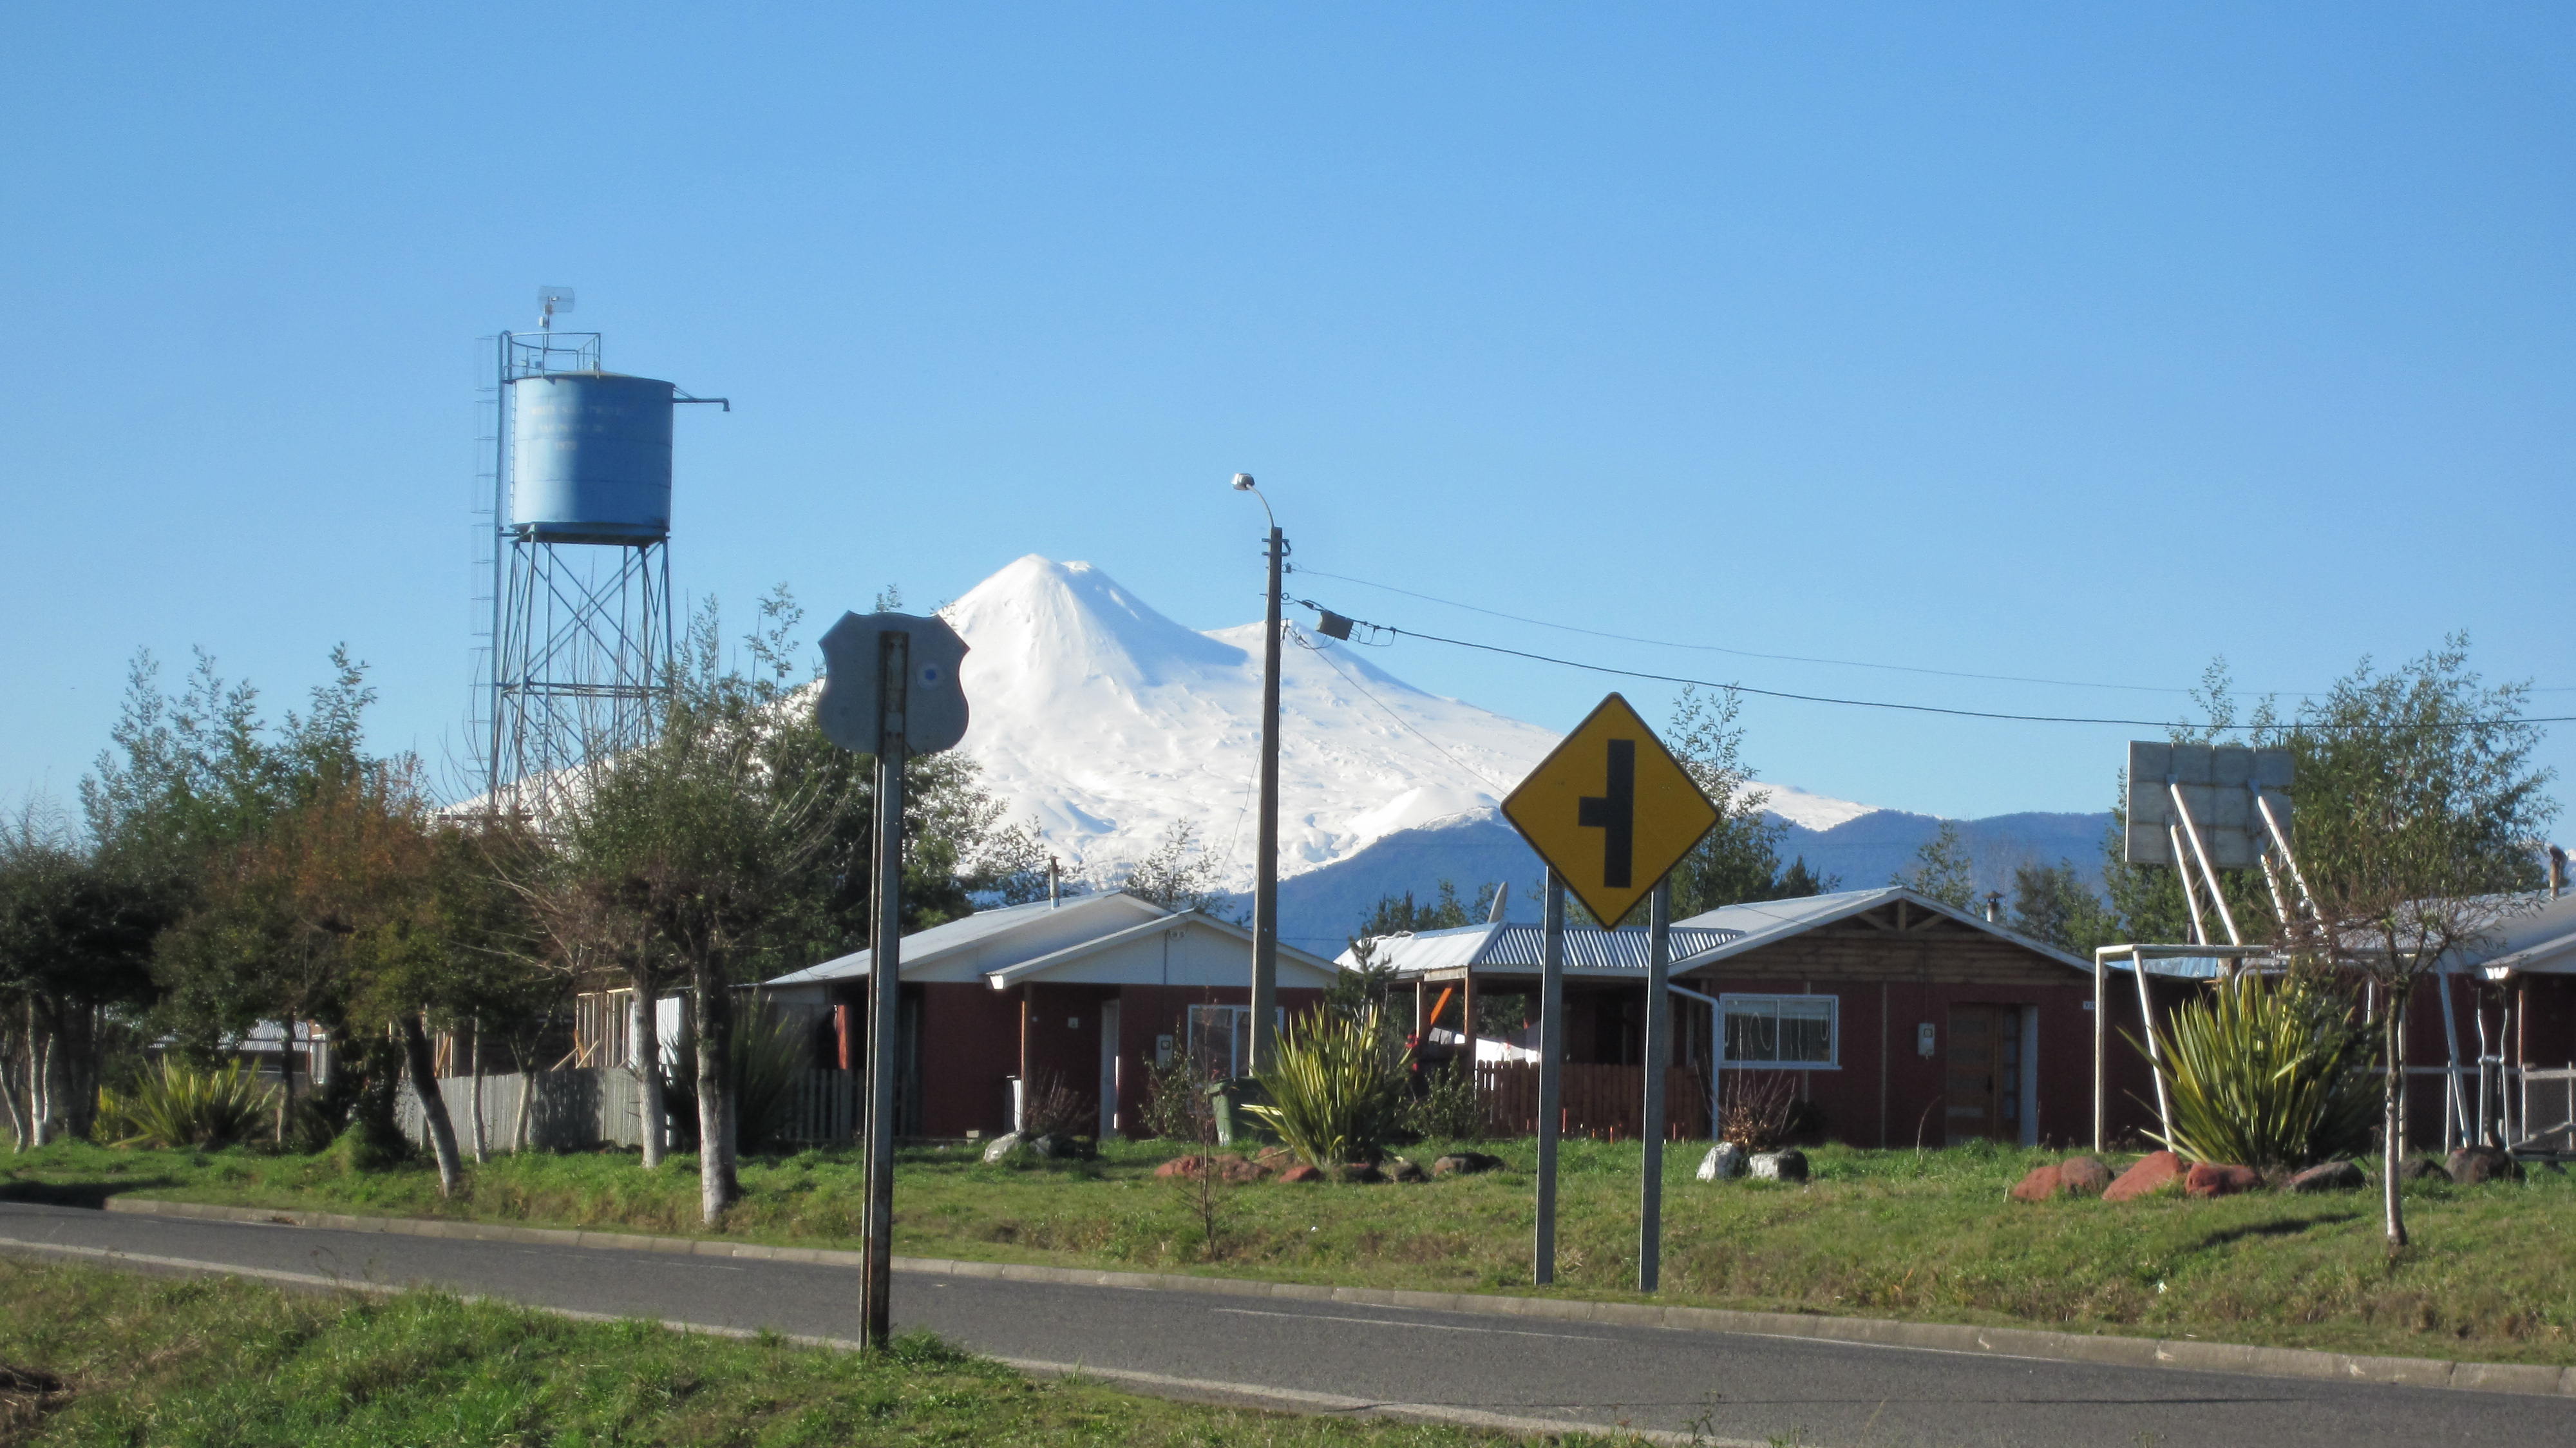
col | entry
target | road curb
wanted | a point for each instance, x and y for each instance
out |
(2178, 1353)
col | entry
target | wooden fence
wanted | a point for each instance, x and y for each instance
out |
(1607, 1102)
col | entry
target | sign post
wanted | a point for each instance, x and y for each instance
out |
(1551, 1074)
(889, 688)
(1611, 812)
(1659, 1055)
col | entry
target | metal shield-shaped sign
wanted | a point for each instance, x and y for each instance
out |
(933, 707)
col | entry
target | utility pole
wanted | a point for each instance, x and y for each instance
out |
(1265, 864)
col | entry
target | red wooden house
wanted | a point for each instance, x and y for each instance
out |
(1085, 994)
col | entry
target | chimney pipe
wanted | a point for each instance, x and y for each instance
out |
(1054, 898)
(2557, 872)
(1994, 906)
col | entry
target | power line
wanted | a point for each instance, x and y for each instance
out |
(1774, 658)
(1915, 708)
(1400, 720)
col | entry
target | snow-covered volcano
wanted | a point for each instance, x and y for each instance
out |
(1107, 722)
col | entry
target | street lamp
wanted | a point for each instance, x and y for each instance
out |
(1265, 865)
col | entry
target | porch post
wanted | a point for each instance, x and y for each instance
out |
(1020, 1097)
(2101, 1027)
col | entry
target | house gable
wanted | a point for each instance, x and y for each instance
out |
(1894, 941)
(1183, 950)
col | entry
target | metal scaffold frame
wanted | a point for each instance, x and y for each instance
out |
(581, 633)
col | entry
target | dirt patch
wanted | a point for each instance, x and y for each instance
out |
(26, 1396)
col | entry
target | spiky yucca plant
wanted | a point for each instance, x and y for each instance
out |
(2267, 1073)
(1334, 1084)
(174, 1104)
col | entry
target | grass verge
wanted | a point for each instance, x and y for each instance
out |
(125, 1359)
(1924, 1236)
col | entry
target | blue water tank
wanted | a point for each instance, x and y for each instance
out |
(591, 458)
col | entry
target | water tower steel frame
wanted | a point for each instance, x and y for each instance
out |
(583, 635)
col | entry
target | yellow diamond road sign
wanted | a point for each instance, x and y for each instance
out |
(1611, 811)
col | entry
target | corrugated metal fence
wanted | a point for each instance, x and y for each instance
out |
(586, 1107)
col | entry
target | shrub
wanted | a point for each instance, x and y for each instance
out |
(1334, 1085)
(1173, 1101)
(1757, 1110)
(1447, 1109)
(1052, 1108)
(2267, 1073)
(769, 1052)
(175, 1104)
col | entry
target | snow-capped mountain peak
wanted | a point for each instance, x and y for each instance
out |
(1107, 722)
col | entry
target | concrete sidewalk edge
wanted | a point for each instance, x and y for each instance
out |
(2189, 1354)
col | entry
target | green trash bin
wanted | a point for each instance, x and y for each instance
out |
(1227, 1098)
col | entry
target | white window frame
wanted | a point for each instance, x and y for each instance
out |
(1727, 1002)
(1238, 1038)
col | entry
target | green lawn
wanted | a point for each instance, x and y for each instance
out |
(229, 1364)
(1927, 1236)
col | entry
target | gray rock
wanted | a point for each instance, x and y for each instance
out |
(1787, 1165)
(1057, 1146)
(1404, 1170)
(1002, 1146)
(2471, 1165)
(2332, 1176)
(1724, 1162)
(1464, 1163)
(2421, 1169)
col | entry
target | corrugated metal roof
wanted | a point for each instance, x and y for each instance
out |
(921, 945)
(1588, 949)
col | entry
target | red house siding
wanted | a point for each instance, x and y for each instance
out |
(970, 1043)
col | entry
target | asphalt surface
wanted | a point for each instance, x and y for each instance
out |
(1736, 1387)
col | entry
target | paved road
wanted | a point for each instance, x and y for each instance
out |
(1728, 1386)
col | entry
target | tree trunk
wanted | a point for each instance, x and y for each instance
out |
(482, 1151)
(716, 1185)
(285, 1080)
(40, 1080)
(2392, 1131)
(644, 1042)
(433, 1106)
(9, 1103)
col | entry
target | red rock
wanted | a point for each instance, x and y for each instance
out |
(1301, 1173)
(2154, 1172)
(2039, 1186)
(2082, 1176)
(1179, 1166)
(2209, 1179)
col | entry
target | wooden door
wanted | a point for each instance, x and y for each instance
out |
(1980, 1039)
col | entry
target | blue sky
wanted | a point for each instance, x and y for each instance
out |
(2051, 341)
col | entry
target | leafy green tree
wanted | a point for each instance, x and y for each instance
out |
(1739, 859)
(75, 951)
(2053, 903)
(267, 845)
(1400, 915)
(1942, 870)
(1178, 874)
(2417, 795)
